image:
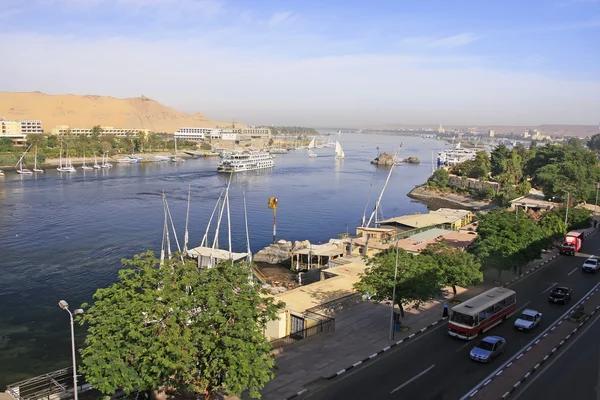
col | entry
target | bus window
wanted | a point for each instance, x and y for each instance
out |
(462, 319)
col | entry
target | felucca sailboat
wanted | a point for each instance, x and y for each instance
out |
(20, 166)
(35, 163)
(339, 152)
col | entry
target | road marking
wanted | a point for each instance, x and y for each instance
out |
(420, 374)
(541, 373)
(575, 269)
(499, 370)
(462, 347)
(551, 286)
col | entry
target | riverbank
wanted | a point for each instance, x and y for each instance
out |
(439, 199)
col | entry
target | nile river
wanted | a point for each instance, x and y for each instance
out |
(62, 235)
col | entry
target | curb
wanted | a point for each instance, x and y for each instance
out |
(409, 337)
(474, 391)
(547, 356)
(529, 271)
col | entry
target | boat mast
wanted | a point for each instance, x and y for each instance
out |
(229, 226)
(20, 162)
(174, 231)
(187, 218)
(205, 238)
(364, 217)
(215, 241)
(249, 257)
(378, 202)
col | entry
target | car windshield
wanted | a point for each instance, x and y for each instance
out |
(559, 292)
(526, 317)
(592, 261)
(462, 319)
(484, 345)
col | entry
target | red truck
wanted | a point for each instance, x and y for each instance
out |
(572, 243)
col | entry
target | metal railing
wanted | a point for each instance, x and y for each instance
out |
(324, 326)
(411, 232)
(333, 306)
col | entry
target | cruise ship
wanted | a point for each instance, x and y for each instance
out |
(456, 155)
(245, 161)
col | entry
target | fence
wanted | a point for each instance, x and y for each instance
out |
(405, 234)
(55, 384)
(331, 307)
(324, 326)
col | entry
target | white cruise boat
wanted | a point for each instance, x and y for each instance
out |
(245, 161)
(456, 155)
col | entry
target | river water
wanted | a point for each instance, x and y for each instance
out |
(62, 235)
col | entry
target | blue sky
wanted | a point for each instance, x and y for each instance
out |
(318, 63)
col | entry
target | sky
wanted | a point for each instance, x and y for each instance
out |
(318, 63)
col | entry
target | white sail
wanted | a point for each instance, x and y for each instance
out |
(312, 144)
(339, 152)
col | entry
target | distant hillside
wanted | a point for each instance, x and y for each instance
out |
(87, 111)
(550, 130)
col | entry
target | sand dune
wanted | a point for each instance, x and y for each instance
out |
(87, 111)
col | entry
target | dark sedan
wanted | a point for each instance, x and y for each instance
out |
(561, 295)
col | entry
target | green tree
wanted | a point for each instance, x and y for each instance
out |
(458, 267)
(594, 143)
(498, 159)
(96, 132)
(419, 279)
(179, 327)
(440, 177)
(6, 144)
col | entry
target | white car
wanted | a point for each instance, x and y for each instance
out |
(528, 320)
(591, 265)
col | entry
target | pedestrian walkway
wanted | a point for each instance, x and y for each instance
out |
(361, 330)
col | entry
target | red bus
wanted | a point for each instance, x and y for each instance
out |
(481, 313)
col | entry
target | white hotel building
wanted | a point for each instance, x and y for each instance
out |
(236, 134)
(17, 130)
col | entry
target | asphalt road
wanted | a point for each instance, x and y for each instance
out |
(437, 366)
(574, 373)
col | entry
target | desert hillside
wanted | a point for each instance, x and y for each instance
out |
(87, 111)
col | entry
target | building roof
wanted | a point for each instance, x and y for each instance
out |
(216, 253)
(308, 296)
(321, 250)
(450, 212)
(534, 201)
(422, 220)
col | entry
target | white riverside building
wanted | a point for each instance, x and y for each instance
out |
(17, 130)
(105, 131)
(245, 161)
(193, 134)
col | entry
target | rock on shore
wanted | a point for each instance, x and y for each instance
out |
(453, 200)
(280, 252)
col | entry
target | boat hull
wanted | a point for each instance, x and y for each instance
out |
(24, 172)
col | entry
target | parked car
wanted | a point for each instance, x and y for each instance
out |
(560, 294)
(488, 348)
(528, 320)
(591, 265)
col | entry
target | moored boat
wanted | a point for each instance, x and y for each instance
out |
(245, 161)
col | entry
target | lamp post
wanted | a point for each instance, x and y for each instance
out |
(567, 213)
(392, 330)
(596, 203)
(65, 306)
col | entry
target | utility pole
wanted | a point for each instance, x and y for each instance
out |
(392, 322)
(596, 203)
(273, 205)
(567, 213)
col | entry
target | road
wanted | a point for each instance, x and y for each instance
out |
(574, 373)
(437, 366)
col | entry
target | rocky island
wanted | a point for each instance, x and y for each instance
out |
(412, 160)
(280, 252)
(384, 158)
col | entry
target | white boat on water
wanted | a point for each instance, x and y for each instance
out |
(105, 163)
(20, 165)
(96, 166)
(175, 158)
(456, 155)
(35, 163)
(339, 152)
(245, 161)
(84, 166)
(311, 146)
(67, 166)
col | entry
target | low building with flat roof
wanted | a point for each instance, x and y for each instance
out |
(444, 217)
(104, 131)
(533, 201)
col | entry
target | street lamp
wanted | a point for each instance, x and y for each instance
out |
(596, 203)
(567, 213)
(394, 293)
(65, 306)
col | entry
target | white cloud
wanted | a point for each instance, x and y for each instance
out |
(280, 17)
(260, 88)
(448, 42)
(451, 42)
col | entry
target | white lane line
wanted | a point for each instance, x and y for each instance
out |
(420, 374)
(575, 269)
(462, 347)
(523, 391)
(551, 286)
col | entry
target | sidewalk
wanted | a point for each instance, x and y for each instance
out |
(361, 332)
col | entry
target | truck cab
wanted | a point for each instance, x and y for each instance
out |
(572, 243)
